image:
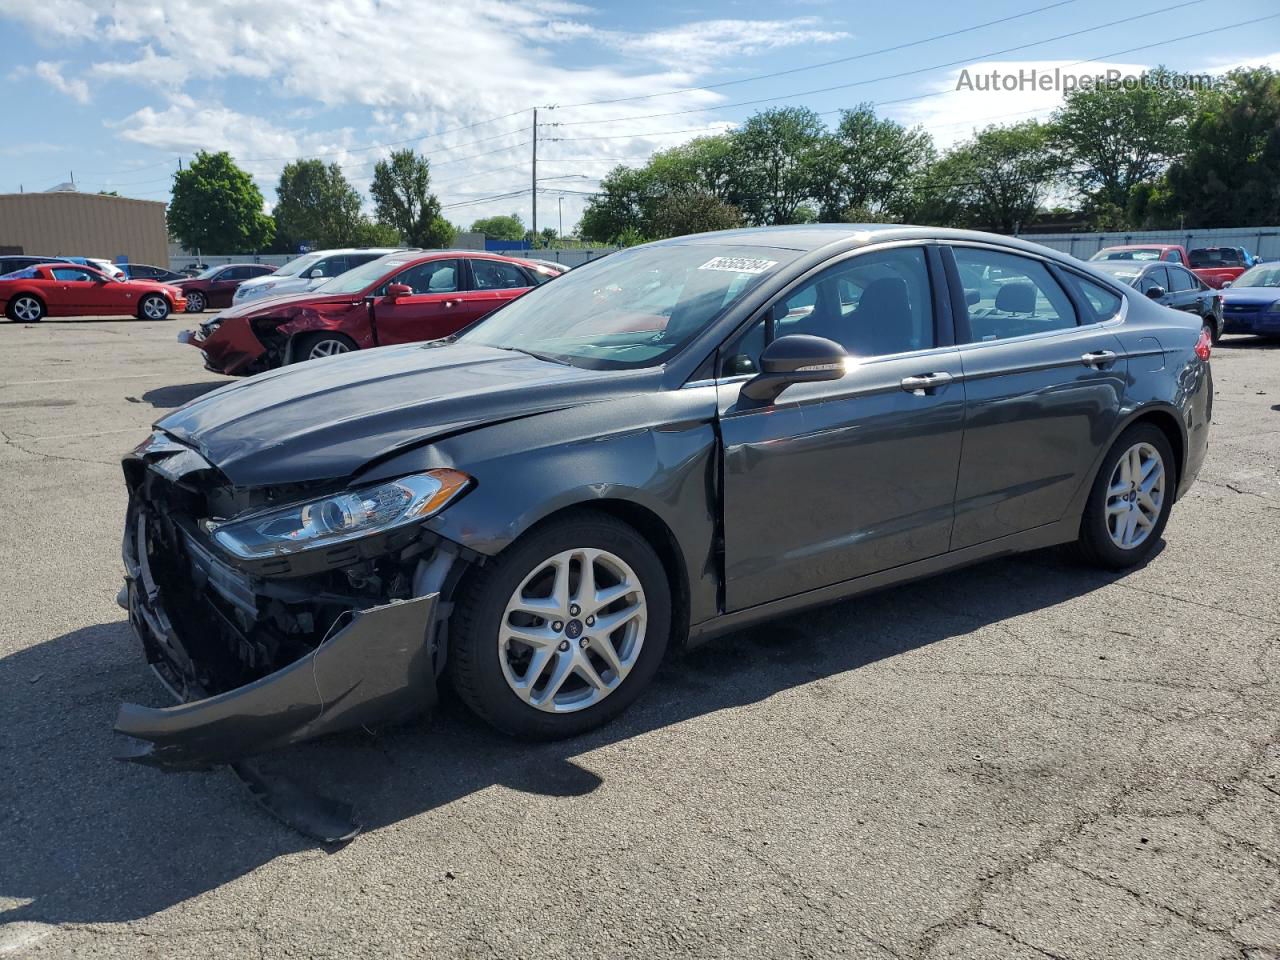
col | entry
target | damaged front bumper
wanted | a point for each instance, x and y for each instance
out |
(218, 638)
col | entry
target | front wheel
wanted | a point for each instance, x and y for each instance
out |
(195, 302)
(25, 309)
(313, 346)
(153, 307)
(564, 630)
(1129, 504)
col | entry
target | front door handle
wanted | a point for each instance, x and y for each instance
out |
(924, 383)
(1098, 358)
(449, 303)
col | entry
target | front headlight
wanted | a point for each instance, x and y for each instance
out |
(340, 517)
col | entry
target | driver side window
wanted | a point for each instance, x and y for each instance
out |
(434, 276)
(72, 274)
(873, 305)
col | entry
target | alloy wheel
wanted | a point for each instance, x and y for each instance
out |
(195, 302)
(327, 348)
(1135, 496)
(154, 308)
(27, 309)
(572, 630)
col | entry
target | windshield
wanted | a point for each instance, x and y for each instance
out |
(1145, 253)
(1263, 275)
(634, 308)
(358, 278)
(294, 268)
(1125, 270)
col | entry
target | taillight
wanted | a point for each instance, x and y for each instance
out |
(1204, 346)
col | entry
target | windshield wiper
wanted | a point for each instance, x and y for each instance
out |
(539, 356)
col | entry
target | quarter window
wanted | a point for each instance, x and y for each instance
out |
(1010, 296)
(1104, 303)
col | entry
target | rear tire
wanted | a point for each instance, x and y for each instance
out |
(1215, 332)
(601, 673)
(153, 307)
(314, 346)
(25, 308)
(1121, 528)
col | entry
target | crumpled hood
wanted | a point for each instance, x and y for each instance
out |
(325, 419)
(275, 301)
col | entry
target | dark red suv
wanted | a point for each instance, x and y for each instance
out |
(216, 285)
(399, 298)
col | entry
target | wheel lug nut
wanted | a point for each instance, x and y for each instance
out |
(574, 609)
(558, 626)
(591, 621)
(583, 643)
(564, 645)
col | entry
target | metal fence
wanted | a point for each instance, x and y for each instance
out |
(569, 257)
(1261, 241)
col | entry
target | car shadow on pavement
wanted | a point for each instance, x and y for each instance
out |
(86, 839)
(180, 393)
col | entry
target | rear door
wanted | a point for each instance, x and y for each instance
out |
(432, 311)
(1187, 292)
(1044, 378)
(493, 283)
(843, 478)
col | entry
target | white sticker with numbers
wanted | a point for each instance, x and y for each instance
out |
(739, 265)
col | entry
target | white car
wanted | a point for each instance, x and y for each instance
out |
(307, 272)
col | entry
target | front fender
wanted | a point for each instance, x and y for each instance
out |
(310, 321)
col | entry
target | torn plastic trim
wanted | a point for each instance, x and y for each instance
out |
(375, 670)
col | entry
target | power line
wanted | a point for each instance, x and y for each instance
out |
(910, 73)
(825, 63)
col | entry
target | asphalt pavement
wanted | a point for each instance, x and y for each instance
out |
(1021, 760)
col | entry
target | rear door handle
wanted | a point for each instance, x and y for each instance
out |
(1098, 358)
(923, 383)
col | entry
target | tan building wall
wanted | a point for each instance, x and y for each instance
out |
(85, 225)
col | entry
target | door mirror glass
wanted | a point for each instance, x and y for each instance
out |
(1155, 293)
(796, 358)
(397, 290)
(1225, 284)
(316, 274)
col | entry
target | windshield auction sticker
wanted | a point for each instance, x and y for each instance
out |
(739, 265)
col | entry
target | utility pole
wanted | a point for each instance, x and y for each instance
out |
(533, 183)
(560, 200)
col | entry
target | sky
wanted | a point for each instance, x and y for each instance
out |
(117, 94)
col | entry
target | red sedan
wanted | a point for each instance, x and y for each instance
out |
(217, 285)
(70, 290)
(399, 298)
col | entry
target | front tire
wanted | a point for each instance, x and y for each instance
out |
(1129, 504)
(153, 307)
(564, 630)
(314, 346)
(25, 309)
(195, 302)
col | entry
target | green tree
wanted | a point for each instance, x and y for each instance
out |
(1230, 175)
(371, 233)
(401, 191)
(778, 153)
(620, 208)
(1112, 140)
(316, 206)
(677, 214)
(871, 166)
(996, 180)
(217, 208)
(500, 228)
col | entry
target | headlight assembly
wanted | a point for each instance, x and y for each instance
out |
(341, 517)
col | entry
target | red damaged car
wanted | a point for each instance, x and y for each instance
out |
(70, 290)
(399, 298)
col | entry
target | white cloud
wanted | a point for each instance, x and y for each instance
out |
(51, 73)
(159, 71)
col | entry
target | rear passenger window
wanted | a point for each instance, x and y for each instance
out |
(1010, 296)
(492, 275)
(1103, 303)
(1181, 280)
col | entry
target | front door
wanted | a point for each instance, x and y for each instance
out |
(222, 287)
(436, 308)
(1043, 387)
(839, 479)
(77, 292)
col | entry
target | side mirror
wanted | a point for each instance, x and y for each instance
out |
(397, 290)
(316, 274)
(1225, 284)
(795, 358)
(1155, 293)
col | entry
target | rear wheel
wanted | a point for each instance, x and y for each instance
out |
(1129, 504)
(313, 346)
(195, 302)
(1210, 325)
(564, 630)
(153, 307)
(25, 309)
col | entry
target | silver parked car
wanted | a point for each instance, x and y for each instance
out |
(308, 272)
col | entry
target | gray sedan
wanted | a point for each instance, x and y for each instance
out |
(673, 442)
